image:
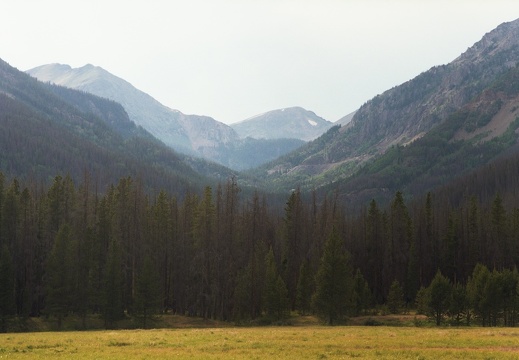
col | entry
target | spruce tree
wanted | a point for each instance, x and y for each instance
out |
(332, 299)
(440, 292)
(61, 269)
(395, 298)
(304, 288)
(276, 293)
(148, 301)
(113, 308)
(7, 304)
(458, 305)
(362, 293)
(477, 286)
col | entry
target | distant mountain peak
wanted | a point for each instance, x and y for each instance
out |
(195, 135)
(170, 126)
(294, 122)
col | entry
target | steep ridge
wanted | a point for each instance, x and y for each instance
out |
(480, 133)
(400, 115)
(165, 124)
(294, 122)
(46, 130)
(194, 135)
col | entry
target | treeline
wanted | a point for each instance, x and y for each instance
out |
(490, 297)
(69, 249)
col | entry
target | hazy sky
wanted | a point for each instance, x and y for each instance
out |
(232, 59)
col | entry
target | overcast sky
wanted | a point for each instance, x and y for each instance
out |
(233, 59)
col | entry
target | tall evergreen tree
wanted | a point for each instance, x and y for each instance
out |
(395, 298)
(113, 283)
(476, 292)
(295, 245)
(375, 238)
(458, 308)
(275, 293)
(362, 293)
(204, 236)
(61, 270)
(304, 288)
(332, 299)
(148, 295)
(7, 291)
(399, 242)
(500, 251)
(440, 291)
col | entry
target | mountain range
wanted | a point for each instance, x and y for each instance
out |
(194, 135)
(48, 130)
(399, 117)
(446, 123)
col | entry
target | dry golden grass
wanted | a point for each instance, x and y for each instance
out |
(305, 342)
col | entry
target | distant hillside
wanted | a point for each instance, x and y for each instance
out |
(47, 130)
(179, 131)
(194, 135)
(399, 116)
(294, 122)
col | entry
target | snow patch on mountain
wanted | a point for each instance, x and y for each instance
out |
(294, 122)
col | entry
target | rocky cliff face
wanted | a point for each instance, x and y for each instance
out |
(406, 112)
(401, 114)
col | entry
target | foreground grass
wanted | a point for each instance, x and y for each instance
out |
(312, 342)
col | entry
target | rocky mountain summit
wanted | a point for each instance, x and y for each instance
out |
(184, 133)
(294, 122)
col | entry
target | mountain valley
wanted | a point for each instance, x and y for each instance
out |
(116, 208)
(193, 135)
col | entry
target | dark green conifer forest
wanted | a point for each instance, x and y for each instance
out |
(74, 249)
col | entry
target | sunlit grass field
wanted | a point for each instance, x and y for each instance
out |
(289, 342)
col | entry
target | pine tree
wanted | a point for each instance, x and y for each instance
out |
(61, 269)
(459, 303)
(294, 243)
(399, 243)
(242, 294)
(476, 288)
(500, 251)
(113, 309)
(375, 238)
(440, 291)
(422, 301)
(304, 288)
(395, 298)
(148, 300)
(204, 236)
(362, 293)
(332, 299)
(275, 294)
(7, 304)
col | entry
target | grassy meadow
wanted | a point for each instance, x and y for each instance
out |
(288, 342)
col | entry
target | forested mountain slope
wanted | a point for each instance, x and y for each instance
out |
(194, 135)
(481, 132)
(400, 115)
(48, 130)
